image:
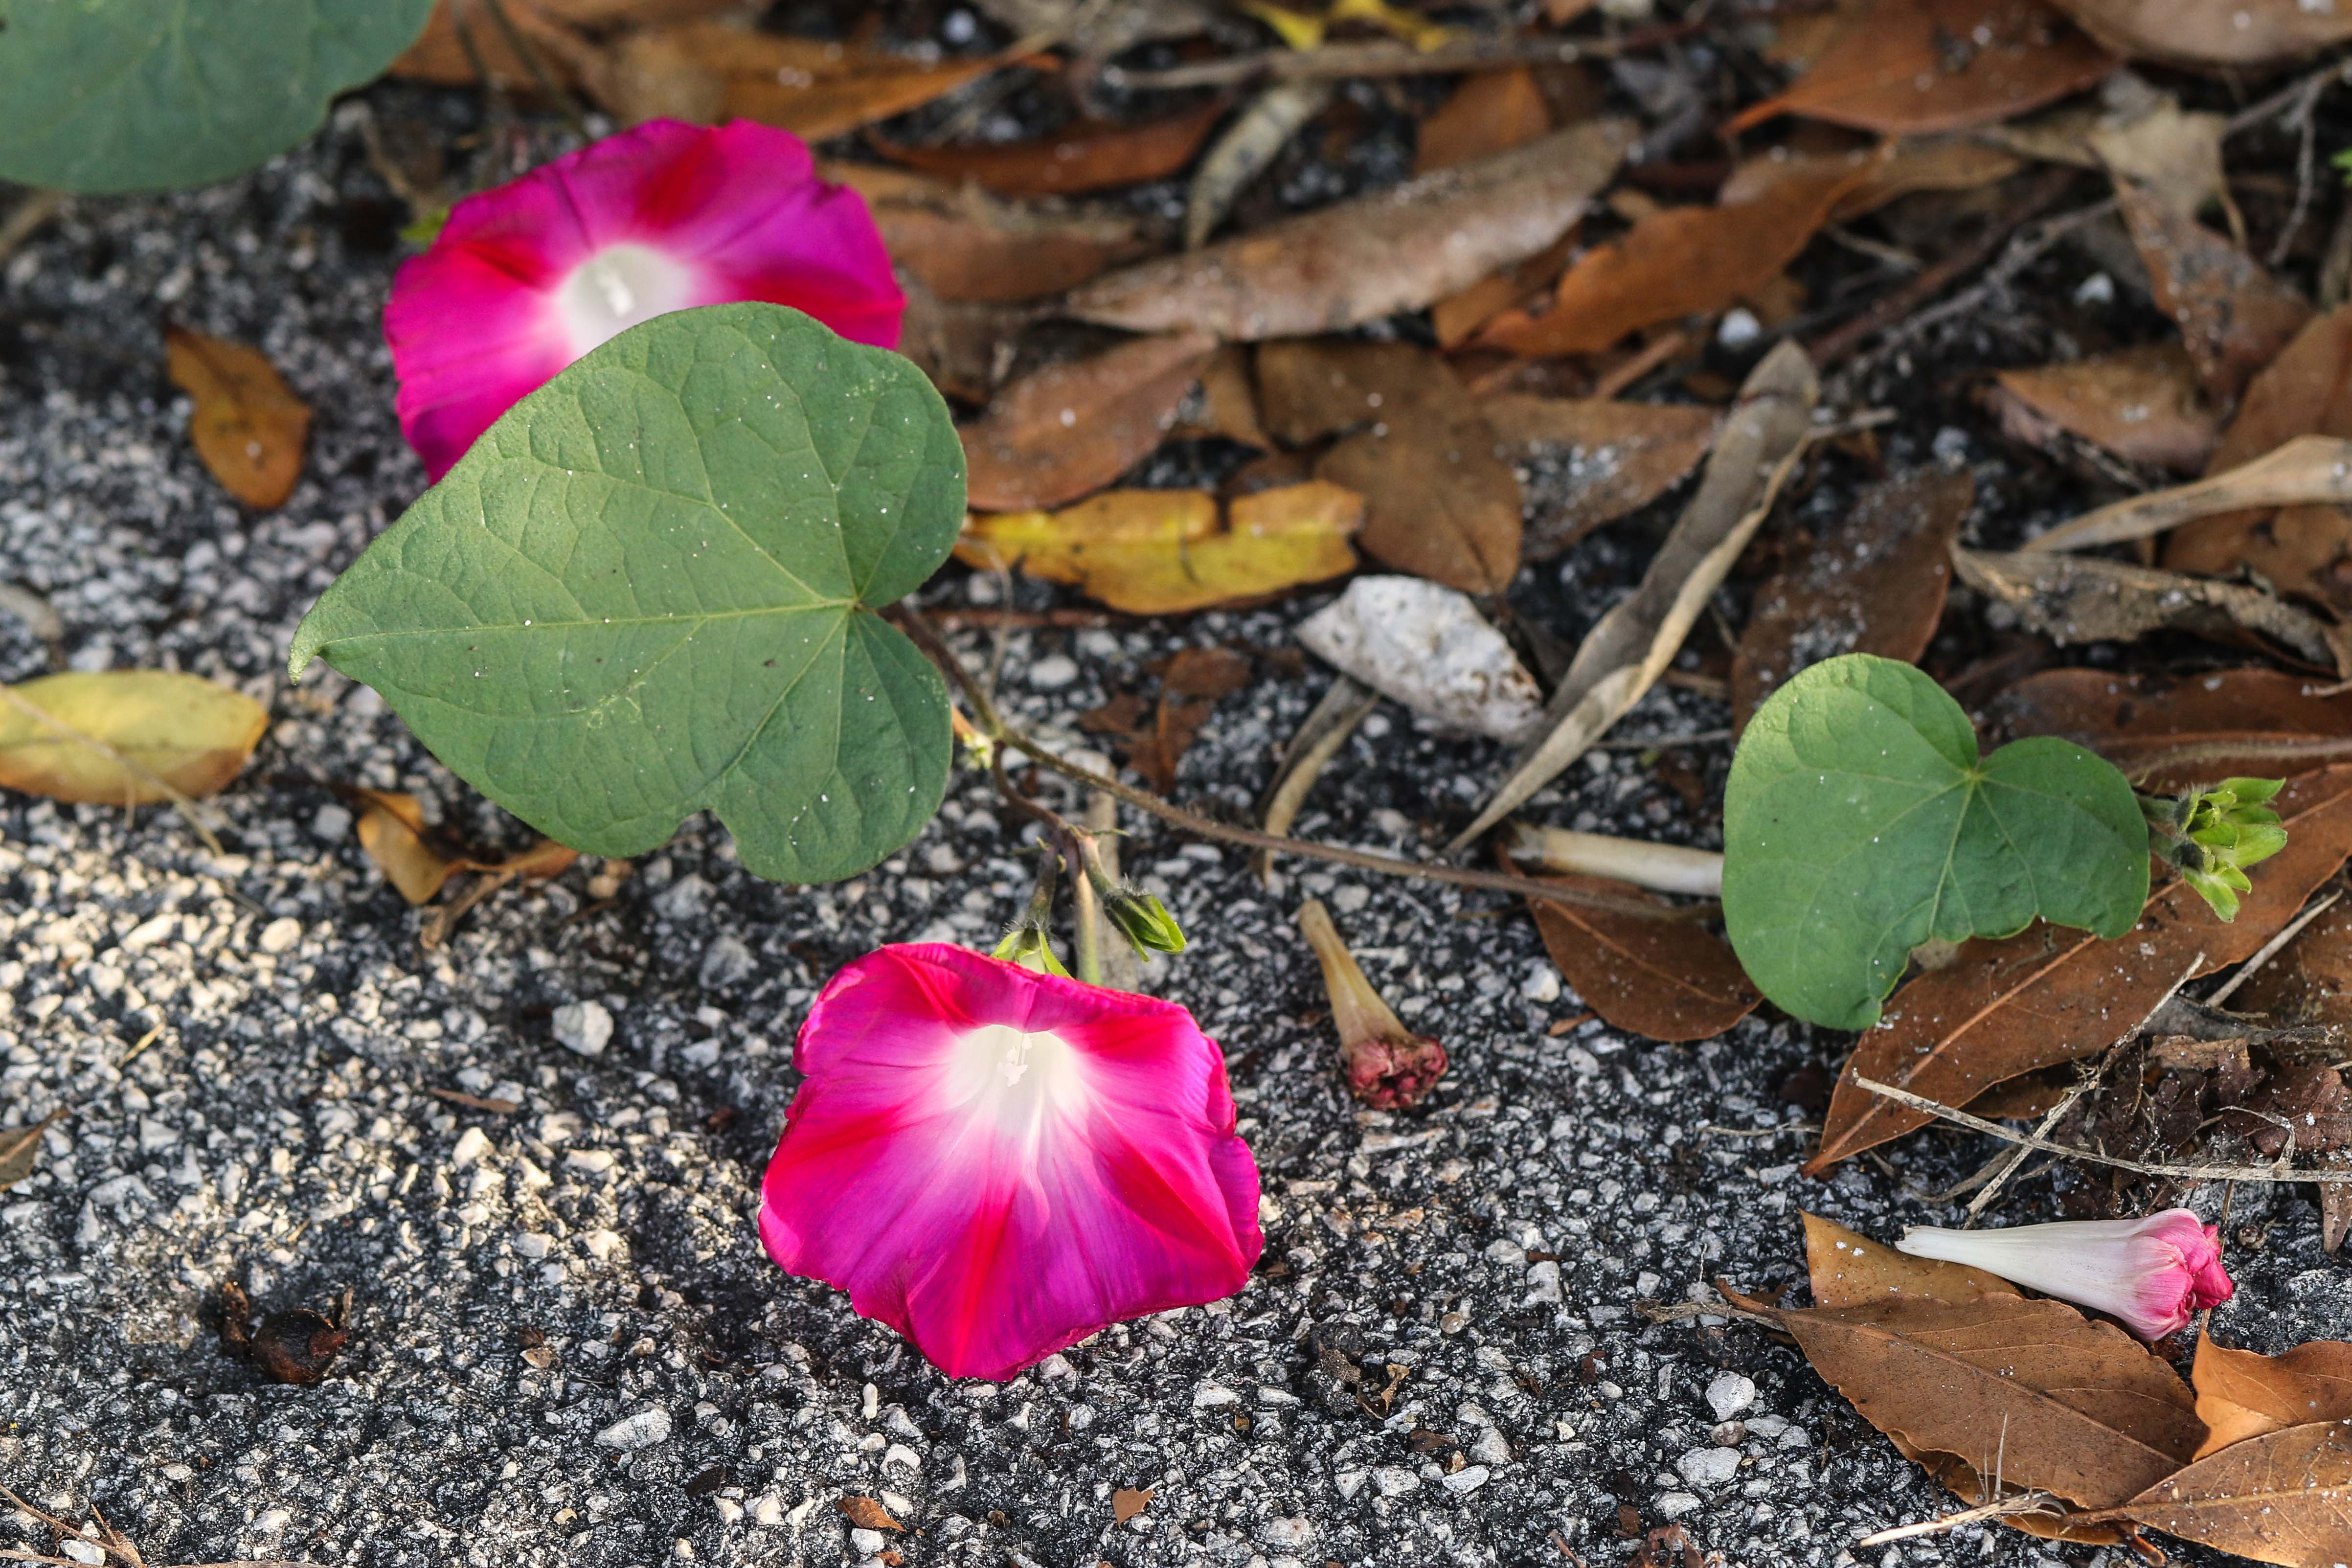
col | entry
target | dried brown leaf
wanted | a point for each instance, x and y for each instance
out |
(1399, 249)
(1129, 1502)
(1490, 113)
(2284, 1497)
(2081, 1409)
(996, 255)
(2304, 550)
(19, 1146)
(1193, 683)
(1154, 552)
(2202, 37)
(2306, 470)
(1873, 583)
(1633, 643)
(1228, 405)
(2309, 981)
(247, 428)
(1664, 979)
(1939, 65)
(392, 833)
(867, 1513)
(2143, 405)
(1069, 429)
(1683, 262)
(2234, 317)
(711, 72)
(1090, 155)
(2244, 1393)
(1917, 164)
(2048, 995)
(1591, 460)
(1849, 1269)
(2218, 724)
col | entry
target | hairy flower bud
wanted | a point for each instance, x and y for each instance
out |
(1387, 1066)
(1143, 919)
(2154, 1274)
(2212, 836)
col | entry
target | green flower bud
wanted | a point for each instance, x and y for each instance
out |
(2213, 834)
(1143, 919)
(1028, 946)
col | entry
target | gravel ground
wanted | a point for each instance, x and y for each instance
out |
(566, 1345)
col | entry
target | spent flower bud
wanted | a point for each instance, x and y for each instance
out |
(2154, 1274)
(1030, 941)
(1387, 1066)
(1141, 918)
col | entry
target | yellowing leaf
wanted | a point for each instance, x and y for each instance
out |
(1167, 552)
(247, 428)
(1409, 26)
(171, 729)
(1295, 28)
(392, 831)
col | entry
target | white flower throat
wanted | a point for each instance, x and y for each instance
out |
(1014, 1076)
(617, 287)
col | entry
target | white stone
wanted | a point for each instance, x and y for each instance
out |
(1052, 672)
(1542, 984)
(767, 1510)
(279, 934)
(330, 822)
(1708, 1467)
(1468, 1479)
(472, 1145)
(1426, 646)
(1395, 1480)
(869, 1541)
(1294, 1533)
(642, 1430)
(583, 1026)
(1730, 1394)
(591, 1161)
(1673, 1505)
(1210, 1394)
(1491, 1449)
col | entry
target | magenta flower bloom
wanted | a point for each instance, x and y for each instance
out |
(525, 277)
(997, 1162)
(2154, 1274)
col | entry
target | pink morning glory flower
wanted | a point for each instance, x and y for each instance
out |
(2154, 1274)
(997, 1162)
(529, 276)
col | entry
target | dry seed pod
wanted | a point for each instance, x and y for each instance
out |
(1387, 1066)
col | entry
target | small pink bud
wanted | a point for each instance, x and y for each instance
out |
(1388, 1066)
(2154, 1274)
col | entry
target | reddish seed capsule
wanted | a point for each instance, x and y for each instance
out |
(297, 1345)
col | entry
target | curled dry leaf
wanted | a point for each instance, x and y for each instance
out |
(1664, 979)
(1069, 429)
(1633, 643)
(1153, 552)
(1000, 255)
(1684, 262)
(1591, 460)
(867, 1513)
(392, 831)
(1091, 155)
(247, 428)
(173, 730)
(2284, 1497)
(2234, 317)
(1490, 113)
(1873, 583)
(1939, 65)
(2081, 1409)
(2046, 996)
(2072, 599)
(2305, 470)
(1914, 164)
(1129, 1502)
(965, 348)
(1397, 249)
(1849, 1269)
(2305, 549)
(1427, 647)
(2243, 1393)
(2168, 733)
(1659, 867)
(2143, 405)
(2245, 33)
(707, 72)
(1249, 146)
(1228, 405)
(1344, 706)
(2137, 134)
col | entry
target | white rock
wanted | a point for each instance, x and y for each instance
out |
(1295, 1533)
(1730, 1394)
(1673, 1505)
(1491, 1449)
(583, 1026)
(1542, 984)
(728, 962)
(1210, 1394)
(82, 1551)
(869, 1541)
(279, 934)
(330, 822)
(593, 1162)
(1427, 647)
(472, 1145)
(767, 1510)
(1395, 1480)
(1052, 672)
(1468, 1479)
(642, 1430)
(1708, 1467)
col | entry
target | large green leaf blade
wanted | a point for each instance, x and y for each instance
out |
(648, 591)
(1858, 824)
(129, 95)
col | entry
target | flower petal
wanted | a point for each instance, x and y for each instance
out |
(992, 1209)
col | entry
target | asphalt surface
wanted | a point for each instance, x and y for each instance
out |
(565, 1343)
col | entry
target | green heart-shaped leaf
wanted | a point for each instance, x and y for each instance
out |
(646, 590)
(133, 95)
(1858, 823)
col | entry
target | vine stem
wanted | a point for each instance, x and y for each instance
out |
(992, 724)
